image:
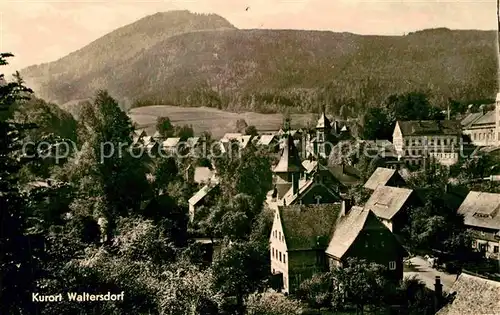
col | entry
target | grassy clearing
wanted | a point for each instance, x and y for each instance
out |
(218, 122)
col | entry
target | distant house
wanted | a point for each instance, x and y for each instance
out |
(203, 175)
(268, 141)
(138, 135)
(338, 178)
(481, 213)
(391, 205)
(293, 184)
(157, 136)
(385, 177)
(416, 141)
(170, 145)
(193, 142)
(360, 234)
(307, 239)
(231, 136)
(201, 198)
(473, 295)
(480, 127)
(244, 141)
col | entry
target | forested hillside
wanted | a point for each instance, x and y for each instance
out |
(179, 58)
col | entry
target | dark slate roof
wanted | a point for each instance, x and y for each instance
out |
(347, 230)
(429, 127)
(380, 177)
(481, 209)
(474, 295)
(290, 159)
(309, 227)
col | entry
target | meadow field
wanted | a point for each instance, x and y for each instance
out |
(217, 122)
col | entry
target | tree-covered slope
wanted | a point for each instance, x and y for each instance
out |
(217, 65)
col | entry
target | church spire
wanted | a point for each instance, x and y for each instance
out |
(290, 160)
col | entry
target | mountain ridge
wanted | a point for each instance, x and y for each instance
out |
(203, 60)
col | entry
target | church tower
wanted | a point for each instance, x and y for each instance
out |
(323, 129)
(289, 169)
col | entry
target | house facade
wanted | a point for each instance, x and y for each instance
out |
(360, 234)
(416, 141)
(481, 213)
(309, 239)
(483, 128)
(298, 241)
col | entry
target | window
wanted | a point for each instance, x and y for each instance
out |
(284, 258)
(392, 265)
(280, 236)
(273, 252)
(495, 249)
(280, 256)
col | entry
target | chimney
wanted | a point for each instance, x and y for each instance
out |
(295, 183)
(345, 206)
(438, 293)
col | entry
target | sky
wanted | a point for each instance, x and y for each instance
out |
(43, 31)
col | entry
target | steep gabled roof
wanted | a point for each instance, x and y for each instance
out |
(308, 227)
(474, 295)
(380, 177)
(290, 159)
(429, 127)
(387, 201)
(244, 141)
(171, 142)
(193, 141)
(202, 193)
(481, 209)
(304, 186)
(323, 122)
(266, 140)
(346, 231)
(232, 136)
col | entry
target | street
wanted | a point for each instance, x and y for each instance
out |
(424, 272)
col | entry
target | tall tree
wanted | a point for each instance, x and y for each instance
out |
(105, 168)
(18, 252)
(240, 270)
(164, 127)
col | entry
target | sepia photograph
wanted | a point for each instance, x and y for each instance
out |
(250, 157)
